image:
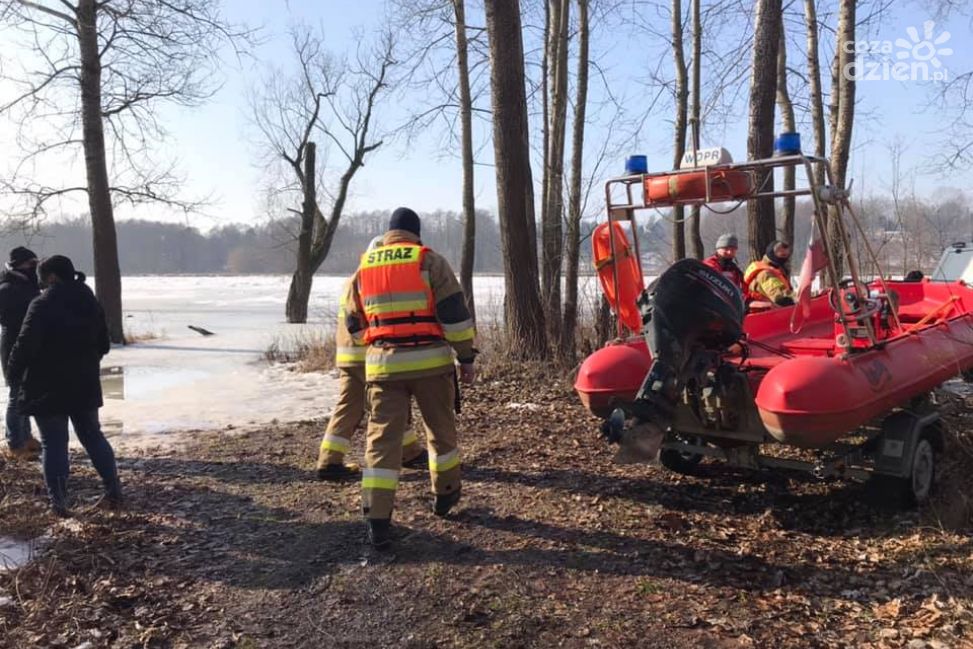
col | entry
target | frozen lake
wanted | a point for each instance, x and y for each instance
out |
(179, 380)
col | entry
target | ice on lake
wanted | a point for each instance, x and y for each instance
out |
(177, 379)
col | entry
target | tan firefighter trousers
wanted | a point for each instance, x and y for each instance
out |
(348, 413)
(390, 403)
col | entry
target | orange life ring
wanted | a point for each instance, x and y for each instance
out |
(622, 298)
(692, 186)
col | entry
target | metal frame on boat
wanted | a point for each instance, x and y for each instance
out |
(822, 195)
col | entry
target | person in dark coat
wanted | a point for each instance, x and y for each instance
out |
(57, 358)
(18, 286)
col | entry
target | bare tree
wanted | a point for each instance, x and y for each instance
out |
(679, 134)
(789, 125)
(573, 243)
(695, 238)
(466, 139)
(816, 96)
(105, 66)
(553, 180)
(515, 194)
(446, 67)
(842, 109)
(760, 138)
(332, 100)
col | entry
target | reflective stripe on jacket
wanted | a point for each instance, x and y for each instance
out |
(348, 353)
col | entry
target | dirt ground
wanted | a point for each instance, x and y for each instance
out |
(230, 542)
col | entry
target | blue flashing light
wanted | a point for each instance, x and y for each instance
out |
(636, 164)
(787, 144)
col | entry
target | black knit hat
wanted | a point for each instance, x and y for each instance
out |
(57, 265)
(21, 255)
(405, 219)
(772, 252)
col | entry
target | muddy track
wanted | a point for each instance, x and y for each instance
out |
(231, 543)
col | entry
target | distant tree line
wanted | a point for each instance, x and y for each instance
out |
(151, 247)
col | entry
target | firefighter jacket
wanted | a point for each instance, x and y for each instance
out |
(407, 306)
(765, 281)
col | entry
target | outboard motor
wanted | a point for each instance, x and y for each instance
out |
(693, 315)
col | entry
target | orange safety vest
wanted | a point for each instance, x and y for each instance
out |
(397, 301)
(755, 269)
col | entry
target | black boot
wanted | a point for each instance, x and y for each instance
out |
(339, 472)
(379, 532)
(113, 495)
(445, 502)
(58, 495)
(419, 462)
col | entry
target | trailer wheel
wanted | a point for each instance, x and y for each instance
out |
(683, 462)
(916, 489)
(923, 471)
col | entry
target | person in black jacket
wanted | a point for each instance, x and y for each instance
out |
(18, 286)
(57, 358)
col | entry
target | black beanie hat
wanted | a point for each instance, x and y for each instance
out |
(58, 265)
(20, 255)
(772, 254)
(405, 219)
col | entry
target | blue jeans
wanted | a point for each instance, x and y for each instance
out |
(54, 442)
(18, 425)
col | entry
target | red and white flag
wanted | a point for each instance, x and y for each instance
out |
(814, 260)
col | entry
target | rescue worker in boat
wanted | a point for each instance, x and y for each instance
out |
(350, 407)
(768, 280)
(723, 260)
(407, 306)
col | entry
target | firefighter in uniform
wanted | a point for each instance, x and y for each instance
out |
(350, 407)
(767, 280)
(406, 305)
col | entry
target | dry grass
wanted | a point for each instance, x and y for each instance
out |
(308, 352)
(132, 337)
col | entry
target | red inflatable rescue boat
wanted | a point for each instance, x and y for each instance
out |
(808, 390)
(848, 372)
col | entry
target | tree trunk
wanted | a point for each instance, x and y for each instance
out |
(515, 195)
(573, 243)
(695, 238)
(679, 136)
(466, 142)
(842, 114)
(552, 244)
(761, 224)
(300, 291)
(108, 276)
(814, 86)
(788, 125)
